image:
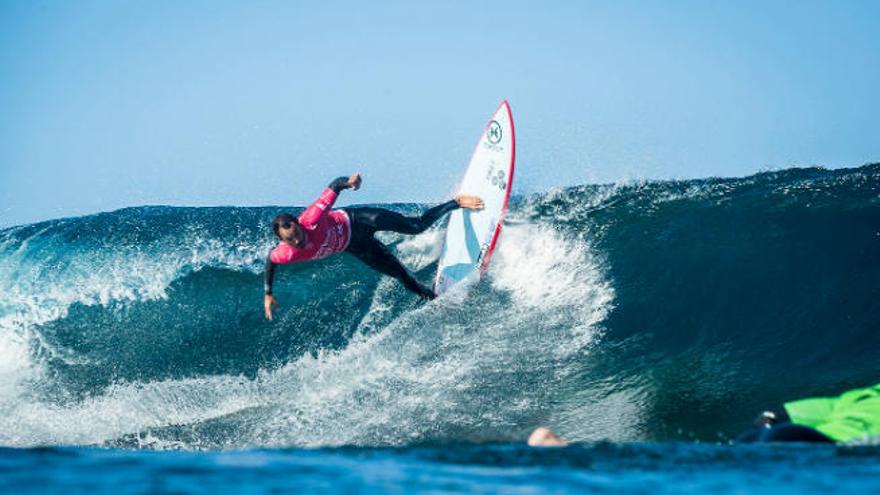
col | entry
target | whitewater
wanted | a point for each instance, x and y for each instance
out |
(642, 311)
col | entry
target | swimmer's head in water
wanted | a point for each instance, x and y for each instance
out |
(288, 230)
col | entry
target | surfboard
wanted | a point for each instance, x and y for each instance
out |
(472, 235)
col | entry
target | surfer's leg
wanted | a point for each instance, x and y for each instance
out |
(377, 219)
(430, 216)
(375, 255)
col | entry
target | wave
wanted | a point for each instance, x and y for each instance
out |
(638, 311)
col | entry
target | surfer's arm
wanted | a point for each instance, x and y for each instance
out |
(268, 275)
(325, 201)
(339, 184)
(269, 300)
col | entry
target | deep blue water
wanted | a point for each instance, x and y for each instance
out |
(649, 315)
(588, 468)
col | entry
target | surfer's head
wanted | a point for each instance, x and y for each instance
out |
(287, 229)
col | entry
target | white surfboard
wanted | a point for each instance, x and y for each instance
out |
(471, 235)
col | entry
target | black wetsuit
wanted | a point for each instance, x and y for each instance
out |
(781, 429)
(365, 222)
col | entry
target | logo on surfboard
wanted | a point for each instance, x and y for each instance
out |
(494, 132)
(496, 177)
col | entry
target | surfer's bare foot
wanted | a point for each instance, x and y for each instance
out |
(469, 202)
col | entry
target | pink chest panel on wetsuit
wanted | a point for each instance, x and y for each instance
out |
(327, 232)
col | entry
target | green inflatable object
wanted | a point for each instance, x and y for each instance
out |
(854, 415)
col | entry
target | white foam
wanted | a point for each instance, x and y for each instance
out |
(40, 282)
(431, 372)
(419, 251)
(125, 409)
(421, 374)
(559, 276)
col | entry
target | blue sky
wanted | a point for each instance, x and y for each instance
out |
(122, 103)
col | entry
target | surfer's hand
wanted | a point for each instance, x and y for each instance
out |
(269, 302)
(354, 181)
(469, 202)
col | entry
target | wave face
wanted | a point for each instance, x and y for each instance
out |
(646, 311)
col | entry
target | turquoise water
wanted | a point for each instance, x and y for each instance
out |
(649, 315)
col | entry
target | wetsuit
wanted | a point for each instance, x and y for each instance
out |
(352, 230)
(781, 429)
(852, 416)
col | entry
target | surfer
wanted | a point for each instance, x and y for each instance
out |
(321, 231)
(852, 416)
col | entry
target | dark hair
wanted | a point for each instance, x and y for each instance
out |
(282, 219)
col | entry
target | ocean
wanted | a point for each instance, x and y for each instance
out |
(647, 322)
